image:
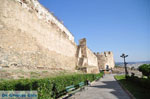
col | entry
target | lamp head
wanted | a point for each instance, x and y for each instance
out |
(123, 55)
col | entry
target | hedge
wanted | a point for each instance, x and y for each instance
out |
(47, 88)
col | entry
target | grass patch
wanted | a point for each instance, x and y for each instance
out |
(21, 77)
(137, 91)
(3, 71)
(44, 71)
(34, 75)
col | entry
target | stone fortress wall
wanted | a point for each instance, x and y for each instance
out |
(92, 59)
(29, 39)
(31, 36)
(45, 15)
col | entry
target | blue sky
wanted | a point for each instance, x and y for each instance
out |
(120, 26)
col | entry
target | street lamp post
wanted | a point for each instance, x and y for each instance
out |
(125, 63)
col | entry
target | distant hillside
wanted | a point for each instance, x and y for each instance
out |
(132, 64)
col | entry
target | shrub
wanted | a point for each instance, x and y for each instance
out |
(48, 88)
(145, 69)
(143, 82)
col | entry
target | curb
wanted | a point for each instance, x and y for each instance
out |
(130, 95)
(95, 81)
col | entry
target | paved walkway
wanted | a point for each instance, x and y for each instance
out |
(106, 88)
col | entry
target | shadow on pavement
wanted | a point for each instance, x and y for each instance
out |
(113, 88)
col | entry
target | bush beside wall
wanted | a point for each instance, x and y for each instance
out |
(45, 86)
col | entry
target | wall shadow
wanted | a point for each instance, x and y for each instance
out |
(113, 88)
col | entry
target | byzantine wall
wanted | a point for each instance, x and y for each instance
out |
(32, 37)
(86, 58)
(92, 59)
(105, 59)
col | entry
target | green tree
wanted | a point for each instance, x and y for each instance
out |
(145, 69)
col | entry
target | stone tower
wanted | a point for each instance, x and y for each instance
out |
(87, 60)
(105, 60)
(82, 54)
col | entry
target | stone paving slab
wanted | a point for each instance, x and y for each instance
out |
(106, 88)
